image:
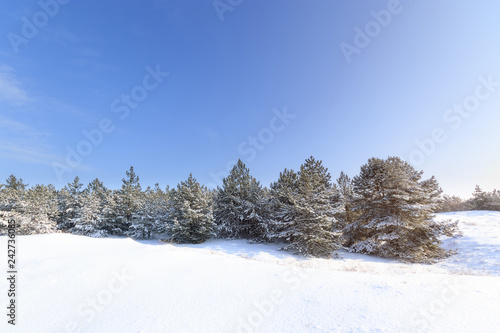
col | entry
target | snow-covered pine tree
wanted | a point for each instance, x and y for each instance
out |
(452, 204)
(129, 202)
(239, 211)
(479, 199)
(345, 186)
(91, 220)
(310, 228)
(395, 209)
(70, 204)
(39, 211)
(12, 194)
(494, 200)
(282, 200)
(191, 217)
(151, 215)
(11, 201)
(482, 200)
(113, 218)
(97, 187)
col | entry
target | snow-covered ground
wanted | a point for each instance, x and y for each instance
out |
(71, 283)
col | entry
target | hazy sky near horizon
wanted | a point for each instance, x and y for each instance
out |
(90, 88)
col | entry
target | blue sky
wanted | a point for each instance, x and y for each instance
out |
(173, 87)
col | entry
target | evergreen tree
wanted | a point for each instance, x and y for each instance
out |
(113, 213)
(494, 200)
(128, 203)
(395, 209)
(452, 204)
(92, 218)
(485, 200)
(346, 190)
(16, 184)
(239, 211)
(479, 198)
(151, 215)
(70, 204)
(191, 217)
(39, 211)
(12, 194)
(282, 201)
(97, 187)
(304, 207)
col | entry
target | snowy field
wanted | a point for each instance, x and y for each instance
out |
(71, 283)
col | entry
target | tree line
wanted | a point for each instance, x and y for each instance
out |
(386, 210)
(480, 200)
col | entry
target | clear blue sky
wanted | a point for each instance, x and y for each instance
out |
(70, 67)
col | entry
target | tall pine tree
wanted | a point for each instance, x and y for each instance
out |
(191, 217)
(239, 210)
(91, 220)
(305, 205)
(346, 191)
(70, 204)
(128, 204)
(150, 217)
(12, 201)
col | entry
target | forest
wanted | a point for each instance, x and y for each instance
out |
(386, 210)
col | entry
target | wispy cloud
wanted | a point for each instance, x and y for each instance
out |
(23, 142)
(11, 89)
(60, 35)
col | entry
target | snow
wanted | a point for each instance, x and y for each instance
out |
(70, 283)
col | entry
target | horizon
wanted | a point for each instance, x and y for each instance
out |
(173, 88)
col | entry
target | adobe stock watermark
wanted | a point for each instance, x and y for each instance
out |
(30, 28)
(94, 305)
(249, 148)
(121, 107)
(291, 281)
(223, 6)
(422, 321)
(372, 29)
(453, 116)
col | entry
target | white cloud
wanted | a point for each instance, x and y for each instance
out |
(23, 142)
(11, 90)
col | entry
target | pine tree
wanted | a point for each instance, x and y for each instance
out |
(12, 194)
(315, 231)
(151, 215)
(239, 211)
(157, 206)
(395, 209)
(130, 200)
(282, 201)
(451, 204)
(304, 207)
(191, 217)
(70, 204)
(91, 220)
(113, 213)
(494, 200)
(39, 211)
(346, 191)
(482, 200)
